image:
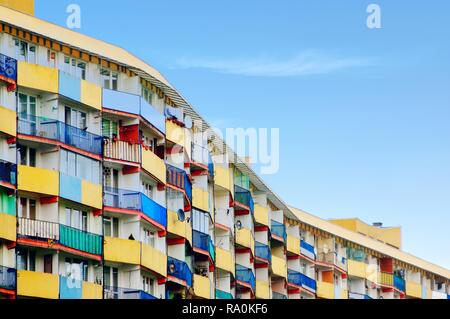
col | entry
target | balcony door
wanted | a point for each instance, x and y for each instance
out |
(76, 128)
(48, 264)
(27, 114)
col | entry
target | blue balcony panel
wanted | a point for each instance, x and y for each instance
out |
(223, 295)
(153, 210)
(7, 278)
(399, 283)
(244, 196)
(150, 114)
(8, 71)
(263, 251)
(70, 288)
(246, 275)
(301, 280)
(69, 86)
(70, 187)
(121, 101)
(8, 172)
(179, 269)
(279, 230)
(126, 293)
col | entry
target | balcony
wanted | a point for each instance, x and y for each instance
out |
(325, 290)
(154, 259)
(307, 250)
(179, 271)
(37, 77)
(399, 283)
(413, 289)
(262, 289)
(224, 260)
(293, 245)
(263, 253)
(37, 284)
(7, 278)
(179, 179)
(135, 201)
(357, 269)
(243, 199)
(202, 286)
(80, 240)
(262, 215)
(154, 165)
(202, 244)
(200, 154)
(126, 293)
(122, 251)
(121, 101)
(200, 199)
(279, 267)
(122, 151)
(38, 229)
(358, 296)
(175, 133)
(8, 71)
(91, 291)
(386, 279)
(222, 177)
(80, 191)
(80, 90)
(300, 280)
(244, 238)
(70, 288)
(177, 227)
(8, 227)
(8, 121)
(55, 130)
(38, 180)
(152, 116)
(245, 277)
(438, 295)
(223, 295)
(278, 231)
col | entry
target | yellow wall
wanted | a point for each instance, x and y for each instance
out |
(122, 250)
(7, 227)
(91, 195)
(202, 286)
(91, 94)
(154, 165)
(293, 244)
(262, 289)
(38, 77)
(38, 180)
(92, 291)
(262, 215)
(38, 285)
(25, 6)
(8, 121)
(154, 259)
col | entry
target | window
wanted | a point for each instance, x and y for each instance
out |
(75, 118)
(27, 208)
(27, 156)
(80, 166)
(147, 95)
(77, 219)
(148, 285)
(111, 178)
(200, 221)
(110, 129)
(52, 58)
(26, 260)
(75, 67)
(109, 79)
(111, 277)
(111, 227)
(27, 106)
(25, 51)
(76, 269)
(148, 237)
(147, 189)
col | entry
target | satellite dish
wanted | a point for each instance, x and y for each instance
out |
(172, 268)
(181, 216)
(188, 121)
(238, 225)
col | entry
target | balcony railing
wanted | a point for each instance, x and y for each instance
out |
(399, 283)
(277, 295)
(279, 230)
(123, 151)
(246, 275)
(8, 172)
(200, 154)
(263, 251)
(386, 279)
(356, 295)
(307, 249)
(7, 278)
(203, 241)
(179, 178)
(299, 279)
(133, 200)
(244, 197)
(65, 235)
(59, 131)
(126, 293)
(223, 295)
(8, 71)
(179, 269)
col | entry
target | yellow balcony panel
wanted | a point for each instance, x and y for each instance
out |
(154, 165)
(262, 289)
(202, 286)
(175, 133)
(357, 269)
(386, 279)
(91, 195)
(8, 225)
(177, 227)
(91, 94)
(154, 260)
(91, 291)
(279, 266)
(37, 285)
(325, 290)
(244, 237)
(8, 121)
(413, 289)
(38, 180)
(293, 245)
(224, 260)
(37, 77)
(222, 177)
(122, 250)
(200, 199)
(262, 215)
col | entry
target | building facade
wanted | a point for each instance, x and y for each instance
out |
(112, 186)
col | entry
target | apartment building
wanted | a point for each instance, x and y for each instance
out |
(110, 189)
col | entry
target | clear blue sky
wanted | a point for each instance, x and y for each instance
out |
(364, 114)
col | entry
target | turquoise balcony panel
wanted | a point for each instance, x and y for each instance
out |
(69, 86)
(121, 101)
(70, 288)
(223, 295)
(70, 188)
(7, 203)
(80, 240)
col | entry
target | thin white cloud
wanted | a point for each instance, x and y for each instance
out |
(307, 63)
